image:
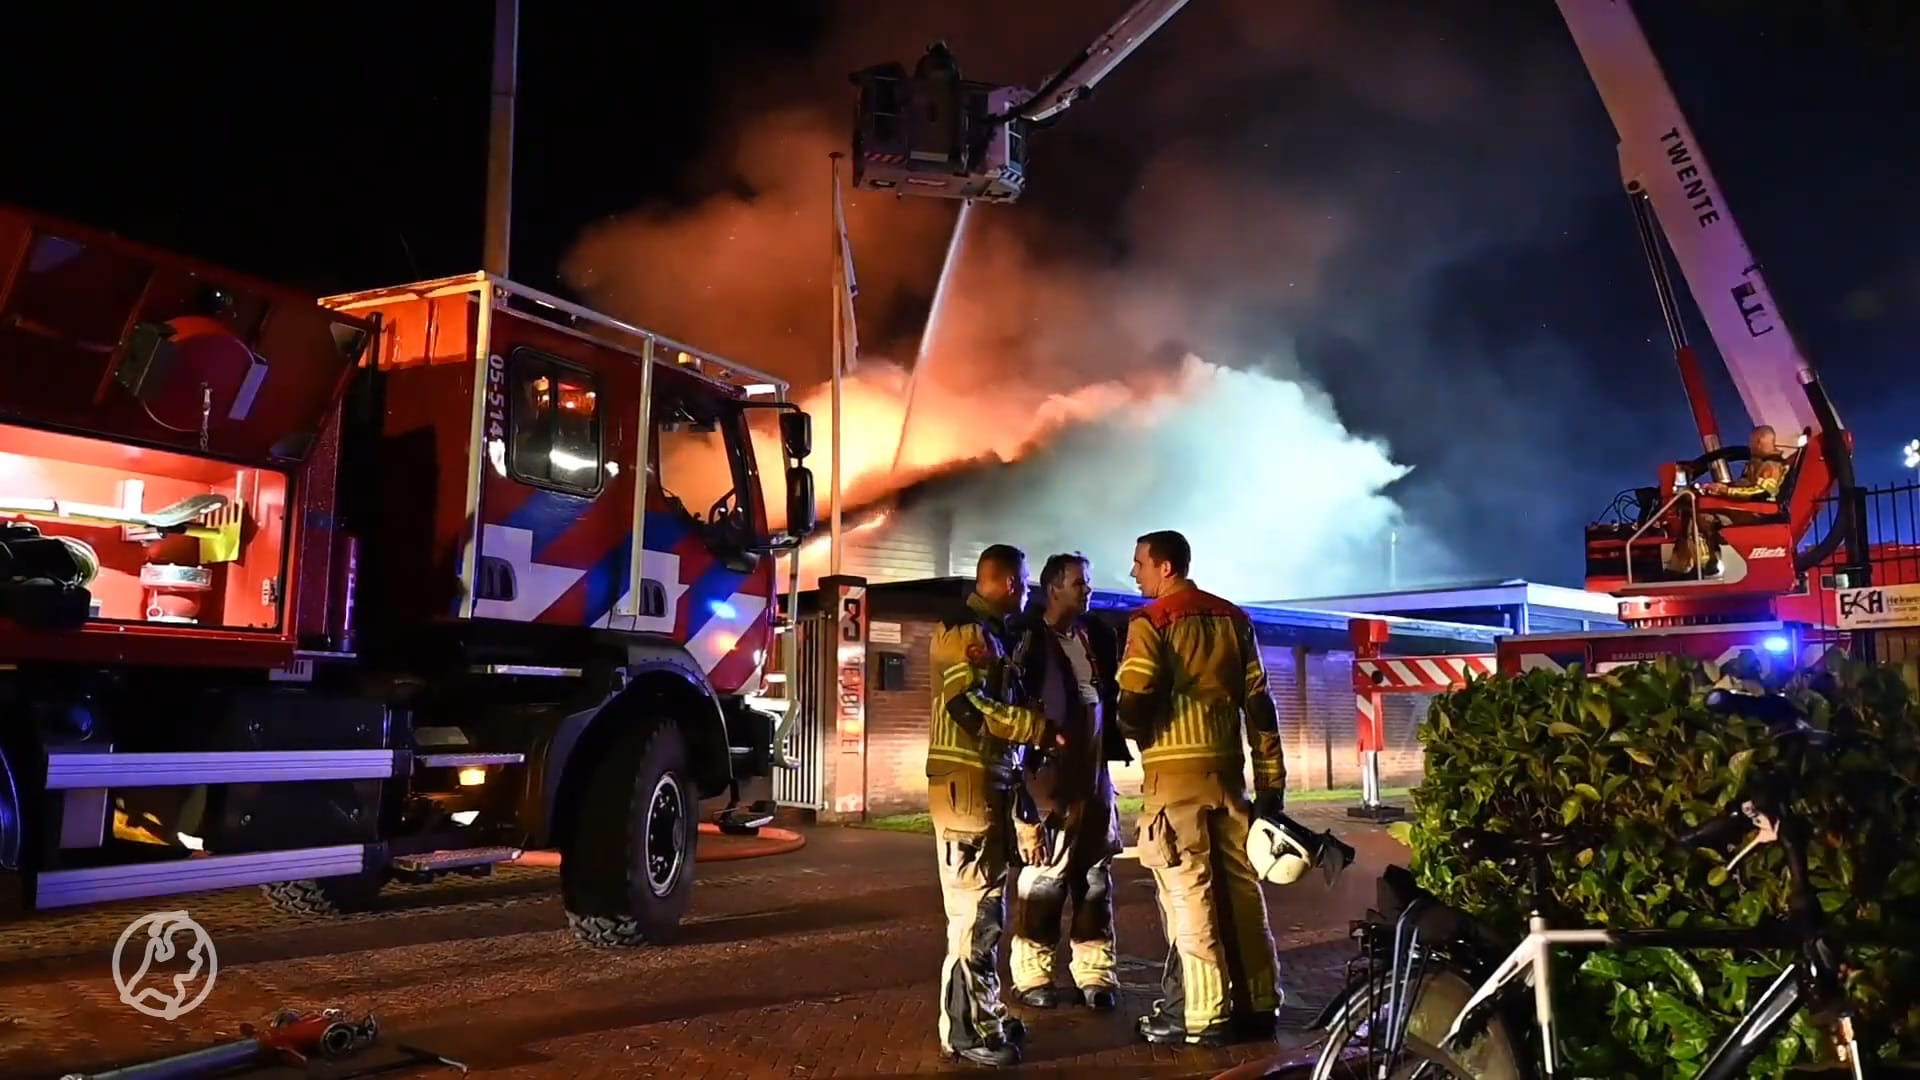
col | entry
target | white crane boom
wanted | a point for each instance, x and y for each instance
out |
(1098, 60)
(1660, 157)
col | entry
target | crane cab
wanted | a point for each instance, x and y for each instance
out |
(1755, 564)
(933, 133)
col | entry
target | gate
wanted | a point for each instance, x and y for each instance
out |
(800, 786)
(1891, 517)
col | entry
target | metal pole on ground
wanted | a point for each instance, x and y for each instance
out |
(1368, 635)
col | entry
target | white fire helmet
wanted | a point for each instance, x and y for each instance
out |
(1283, 850)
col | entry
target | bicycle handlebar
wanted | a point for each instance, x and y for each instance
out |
(1788, 722)
(1719, 832)
(1779, 713)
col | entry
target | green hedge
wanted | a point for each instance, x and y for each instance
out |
(1635, 756)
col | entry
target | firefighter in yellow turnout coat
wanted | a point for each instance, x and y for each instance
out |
(1190, 670)
(980, 722)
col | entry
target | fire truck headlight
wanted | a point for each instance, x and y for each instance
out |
(1776, 644)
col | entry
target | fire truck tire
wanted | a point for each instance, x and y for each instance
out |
(626, 870)
(325, 896)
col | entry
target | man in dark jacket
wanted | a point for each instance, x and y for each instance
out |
(1069, 830)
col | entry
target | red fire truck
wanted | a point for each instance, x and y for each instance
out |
(1769, 571)
(321, 595)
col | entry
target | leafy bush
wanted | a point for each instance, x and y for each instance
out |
(1636, 758)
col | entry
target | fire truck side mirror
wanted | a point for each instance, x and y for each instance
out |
(796, 437)
(803, 514)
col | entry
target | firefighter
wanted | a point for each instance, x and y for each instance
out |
(1760, 478)
(1066, 851)
(1760, 475)
(1190, 670)
(938, 134)
(981, 721)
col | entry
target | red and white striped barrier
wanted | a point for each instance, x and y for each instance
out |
(1417, 674)
(1375, 676)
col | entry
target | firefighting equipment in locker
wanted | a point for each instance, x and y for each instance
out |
(972, 822)
(169, 589)
(44, 579)
(1192, 666)
(1220, 966)
(175, 516)
(1282, 850)
(980, 716)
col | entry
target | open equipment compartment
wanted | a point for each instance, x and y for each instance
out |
(177, 539)
(158, 418)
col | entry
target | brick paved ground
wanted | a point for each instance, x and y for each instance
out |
(817, 964)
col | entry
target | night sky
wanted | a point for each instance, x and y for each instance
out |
(1485, 308)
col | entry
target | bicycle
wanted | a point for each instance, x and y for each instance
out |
(1469, 975)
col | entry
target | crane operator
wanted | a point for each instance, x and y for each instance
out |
(1760, 478)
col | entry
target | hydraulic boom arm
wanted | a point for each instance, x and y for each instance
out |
(1661, 160)
(1712, 552)
(1097, 60)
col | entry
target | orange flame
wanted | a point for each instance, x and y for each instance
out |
(949, 428)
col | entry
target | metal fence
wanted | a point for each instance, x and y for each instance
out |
(801, 786)
(1891, 518)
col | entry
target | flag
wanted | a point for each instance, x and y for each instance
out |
(849, 284)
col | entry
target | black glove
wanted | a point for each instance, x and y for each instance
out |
(1268, 804)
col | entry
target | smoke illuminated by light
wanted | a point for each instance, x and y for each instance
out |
(1278, 498)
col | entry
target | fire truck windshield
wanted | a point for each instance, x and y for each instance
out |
(700, 470)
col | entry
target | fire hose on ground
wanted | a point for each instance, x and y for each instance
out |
(290, 1039)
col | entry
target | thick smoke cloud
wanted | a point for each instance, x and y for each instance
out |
(1315, 529)
(1291, 193)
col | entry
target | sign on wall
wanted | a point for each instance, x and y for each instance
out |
(850, 714)
(1879, 606)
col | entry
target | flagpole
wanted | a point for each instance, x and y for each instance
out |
(839, 365)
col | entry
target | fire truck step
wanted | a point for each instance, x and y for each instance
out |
(95, 885)
(467, 761)
(71, 771)
(746, 820)
(430, 862)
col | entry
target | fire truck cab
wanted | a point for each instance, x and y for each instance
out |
(321, 595)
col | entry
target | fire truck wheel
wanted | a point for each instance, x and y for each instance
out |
(325, 896)
(626, 870)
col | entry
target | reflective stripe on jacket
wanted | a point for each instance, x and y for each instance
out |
(980, 715)
(1192, 667)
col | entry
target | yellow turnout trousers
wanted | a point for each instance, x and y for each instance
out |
(972, 824)
(1220, 958)
(1079, 867)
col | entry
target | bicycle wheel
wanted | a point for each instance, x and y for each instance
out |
(1349, 1053)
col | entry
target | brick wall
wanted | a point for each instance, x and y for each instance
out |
(1317, 730)
(897, 725)
(1318, 727)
